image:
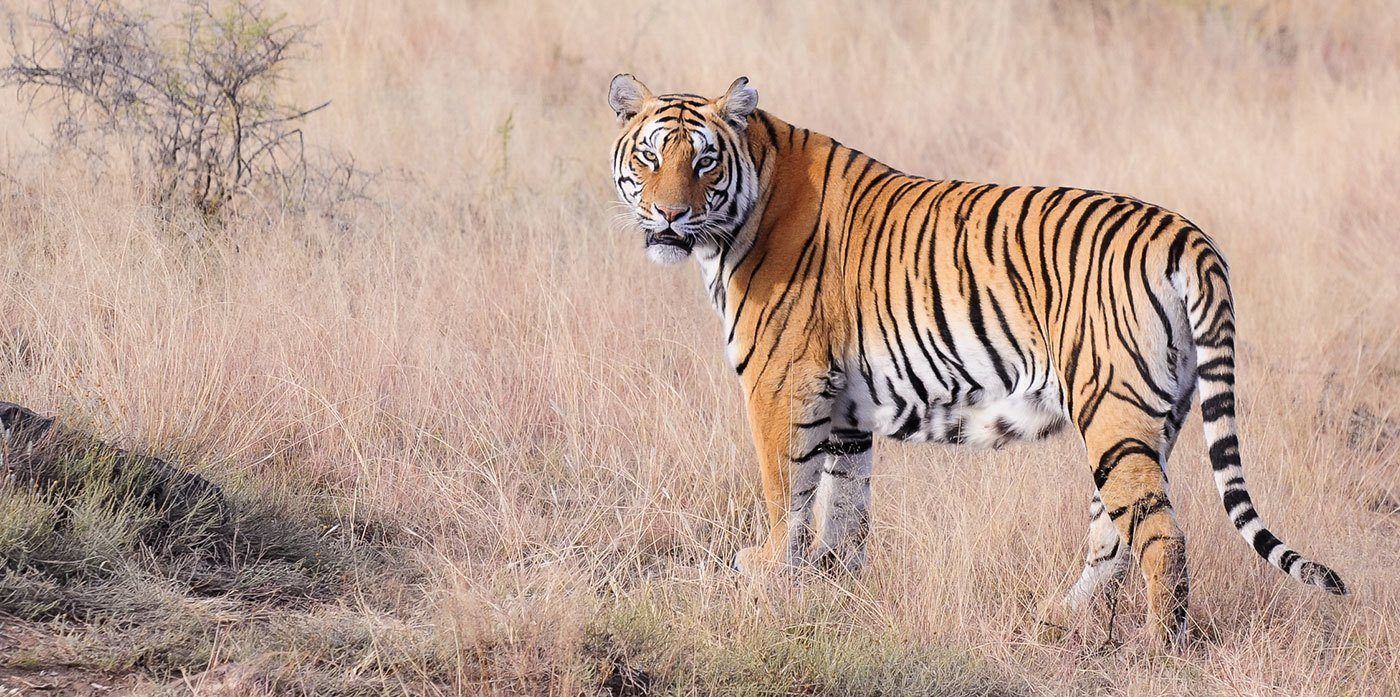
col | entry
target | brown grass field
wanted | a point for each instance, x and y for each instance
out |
(495, 450)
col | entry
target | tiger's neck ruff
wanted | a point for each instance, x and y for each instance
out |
(859, 301)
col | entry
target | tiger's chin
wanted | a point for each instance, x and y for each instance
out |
(666, 248)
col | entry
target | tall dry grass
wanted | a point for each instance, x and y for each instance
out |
(487, 367)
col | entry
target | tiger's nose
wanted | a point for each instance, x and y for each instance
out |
(670, 213)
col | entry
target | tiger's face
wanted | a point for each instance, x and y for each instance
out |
(682, 166)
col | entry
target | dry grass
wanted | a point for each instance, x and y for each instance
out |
(486, 377)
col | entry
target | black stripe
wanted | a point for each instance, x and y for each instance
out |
(1265, 543)
(1218, 407)
(1221, 369)
(1115, 454)
(1225, 452)
(1234, 498)
(1105, 557)
(837, 448)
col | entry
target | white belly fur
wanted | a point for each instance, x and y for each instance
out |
(988, 421)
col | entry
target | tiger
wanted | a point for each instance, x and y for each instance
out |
(859, 301)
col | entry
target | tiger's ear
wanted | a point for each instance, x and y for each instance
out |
(738, 102)
(627, 95)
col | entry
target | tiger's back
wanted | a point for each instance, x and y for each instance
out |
(949, 304)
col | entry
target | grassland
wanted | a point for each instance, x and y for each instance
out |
(486, 447)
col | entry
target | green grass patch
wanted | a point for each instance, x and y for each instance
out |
(656, 643)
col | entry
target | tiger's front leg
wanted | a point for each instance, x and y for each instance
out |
(843, 502)
(791, 422)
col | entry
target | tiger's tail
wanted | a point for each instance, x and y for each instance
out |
(1201, 278)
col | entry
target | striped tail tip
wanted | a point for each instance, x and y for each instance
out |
(1315, 574)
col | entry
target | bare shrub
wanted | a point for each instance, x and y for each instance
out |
(192, 99)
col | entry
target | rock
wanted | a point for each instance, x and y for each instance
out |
(43, 454)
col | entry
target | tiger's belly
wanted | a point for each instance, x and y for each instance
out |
(894, 404)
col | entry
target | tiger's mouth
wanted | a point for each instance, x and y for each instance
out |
(669, 238)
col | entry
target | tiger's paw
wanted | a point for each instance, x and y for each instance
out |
(752, 562)
(1052, 621)
(839, 563)
(1164, 638)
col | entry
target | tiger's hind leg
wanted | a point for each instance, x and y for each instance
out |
(1106, 560)
(1125, 445)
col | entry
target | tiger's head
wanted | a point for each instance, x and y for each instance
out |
(682, 165)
